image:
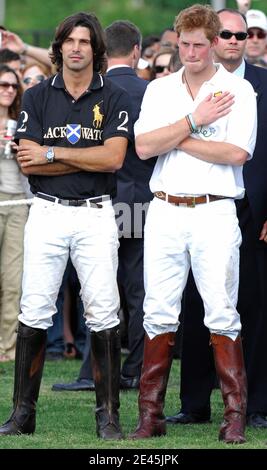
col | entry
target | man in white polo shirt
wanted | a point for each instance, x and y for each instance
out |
(201, 121)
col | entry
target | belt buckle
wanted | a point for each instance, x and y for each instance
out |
(96, 202)
(193, 203)
(77, 202)
(97, 205)
(73, 202)
(160, 195)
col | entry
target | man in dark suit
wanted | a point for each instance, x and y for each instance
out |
(197, 370)
(133, 195)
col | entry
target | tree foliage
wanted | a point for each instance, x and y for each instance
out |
(152, 16)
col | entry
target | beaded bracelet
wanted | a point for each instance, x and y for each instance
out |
(193, 125)
(189, 123)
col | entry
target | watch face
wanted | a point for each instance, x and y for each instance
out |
(50, 154)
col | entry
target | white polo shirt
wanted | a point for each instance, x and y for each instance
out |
(166, 100)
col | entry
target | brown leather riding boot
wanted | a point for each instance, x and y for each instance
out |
(106, 356)
(153, 384)
(229, 363)
(29, 362)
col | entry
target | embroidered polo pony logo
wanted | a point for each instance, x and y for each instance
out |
(98, 116)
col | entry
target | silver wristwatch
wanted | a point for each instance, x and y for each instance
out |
(50, 155)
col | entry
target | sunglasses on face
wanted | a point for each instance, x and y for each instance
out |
(38, 78)
(7, 85)
(240, 36)
(161, 68)
(258, 34)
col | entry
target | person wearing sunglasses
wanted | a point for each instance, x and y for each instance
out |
(256, 41)
(160, 66)
(33, 74)
(12, 218)
(197, 371)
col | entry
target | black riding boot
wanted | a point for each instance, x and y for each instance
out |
(29, 362)
(106, 356)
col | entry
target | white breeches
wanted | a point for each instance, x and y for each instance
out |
(207, 238)
(89, 236)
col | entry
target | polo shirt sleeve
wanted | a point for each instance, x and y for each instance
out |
(242, 120)
(152, 115)
(118, 116)
(29, 123)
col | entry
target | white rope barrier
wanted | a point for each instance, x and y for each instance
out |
(16, 202)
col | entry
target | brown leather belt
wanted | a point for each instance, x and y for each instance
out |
(188, 201)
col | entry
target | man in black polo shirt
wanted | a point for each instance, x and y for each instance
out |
(73, 134)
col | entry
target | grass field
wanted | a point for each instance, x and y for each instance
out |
(65, 420)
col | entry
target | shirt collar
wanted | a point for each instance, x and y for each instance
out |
(97, 82)
(117, 66)
(212, 80)
(240, 71)
(179, 76)
(217, 75)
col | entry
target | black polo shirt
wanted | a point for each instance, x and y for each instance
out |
(51, 116)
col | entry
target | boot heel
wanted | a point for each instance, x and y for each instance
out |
(147, 430)
(29, 362)
(15, 428)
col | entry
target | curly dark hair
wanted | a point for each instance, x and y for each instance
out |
(14, 108)
(64, 29)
